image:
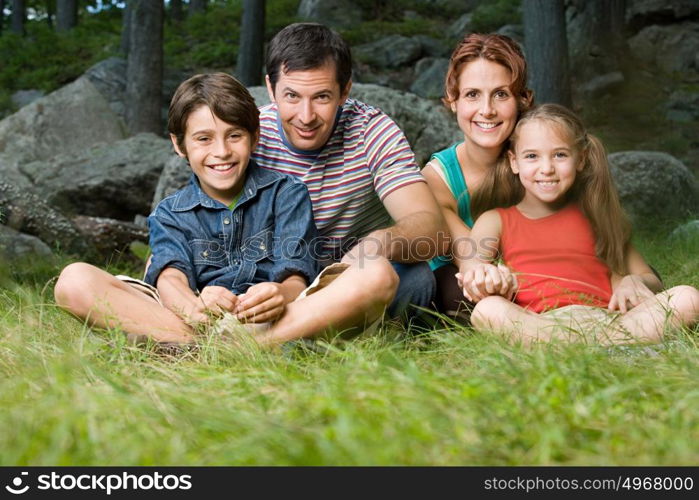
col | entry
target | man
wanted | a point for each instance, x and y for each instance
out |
(371, 204)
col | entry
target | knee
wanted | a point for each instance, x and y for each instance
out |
(489, 312)
(684, 300)
(376, 285)
(73, 286)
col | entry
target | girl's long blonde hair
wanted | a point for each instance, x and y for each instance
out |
(593, 188)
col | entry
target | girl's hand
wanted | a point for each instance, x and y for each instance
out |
(261, 303)
(213, 301)
(630, 292)
(487, 279)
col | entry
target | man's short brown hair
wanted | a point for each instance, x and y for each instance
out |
(229, 100)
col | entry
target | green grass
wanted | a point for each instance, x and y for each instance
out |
(446, 397)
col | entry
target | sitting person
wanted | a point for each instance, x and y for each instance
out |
(565, 238)
(236, 239)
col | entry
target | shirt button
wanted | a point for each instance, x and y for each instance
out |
(262, 246)
(226, 220)
(205, 254)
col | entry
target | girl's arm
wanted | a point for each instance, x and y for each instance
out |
(478, 276)
(641, 283)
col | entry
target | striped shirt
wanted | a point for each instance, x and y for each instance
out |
(366, 158)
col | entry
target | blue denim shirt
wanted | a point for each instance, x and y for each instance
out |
(266, 237)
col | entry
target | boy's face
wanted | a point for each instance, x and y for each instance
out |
(307, 102)
(218, 153)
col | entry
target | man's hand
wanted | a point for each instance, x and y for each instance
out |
(487, 279)
(630, 292)
(261, 303)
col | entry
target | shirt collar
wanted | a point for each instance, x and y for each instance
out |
(192, 195)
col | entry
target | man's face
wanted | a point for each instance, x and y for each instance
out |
(307, 102)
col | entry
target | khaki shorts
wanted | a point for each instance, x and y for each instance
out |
(141, 286)
(582, 318)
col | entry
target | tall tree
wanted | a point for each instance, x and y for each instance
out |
(144, 68)
(66, 14)
(2, 14)
(19, 13)
(126, 27)
(546, 45)
(197, 6)
(176, 11)
(250, 57)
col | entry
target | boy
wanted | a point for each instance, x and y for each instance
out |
(236, 239)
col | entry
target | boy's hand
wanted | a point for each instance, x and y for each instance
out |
(630, 292)
(213, 301)
(487, 279)
(261, 303)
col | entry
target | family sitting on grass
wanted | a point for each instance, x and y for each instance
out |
(317, 181)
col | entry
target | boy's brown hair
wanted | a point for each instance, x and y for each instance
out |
(229, 100)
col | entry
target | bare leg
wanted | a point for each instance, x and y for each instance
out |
(104, 301)
(515, 323)
(676, 307)
(355, 299)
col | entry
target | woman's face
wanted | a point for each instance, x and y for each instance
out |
(485, 108)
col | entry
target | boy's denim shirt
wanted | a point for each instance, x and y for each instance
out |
(266, 237)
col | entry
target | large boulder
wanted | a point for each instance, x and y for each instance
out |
(673, 48)
(27, 213)
(654, 185)
(110, 235)
(389, 52)
(430, 74)
(428, 126)
(109, 78)
(110, 180)
(68, 121)
(15, 245)
(175, 175)
(333, 13)
(640, 13)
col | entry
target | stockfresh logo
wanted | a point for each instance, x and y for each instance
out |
(16, 487)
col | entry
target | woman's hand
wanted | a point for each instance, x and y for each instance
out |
(482, 280)
(261, 303)
(630, 292)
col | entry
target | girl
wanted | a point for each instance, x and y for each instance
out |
(485, 88)
(567, 240)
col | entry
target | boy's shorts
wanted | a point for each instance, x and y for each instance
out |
(141, 286)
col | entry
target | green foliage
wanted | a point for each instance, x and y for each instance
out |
(372, 30)
(489, 16)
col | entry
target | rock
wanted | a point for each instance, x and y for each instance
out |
(683, 106)
(175, 175)
(15, 245)
(431, 47)
(671, 48)
(428, 126)
(514, 31)
(390, 52)
(23, 97)
(68, 121)
(654, 185)
(332, 13)
(109, 235)
(111, 180)
(30, 214)
(429, 77)
(641, 13)
(460, 28)
(687, 231)
(602, 84)
(109, 78)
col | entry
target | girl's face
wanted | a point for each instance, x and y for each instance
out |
(547, 164)
(485, 108)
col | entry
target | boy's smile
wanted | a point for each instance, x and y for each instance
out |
(218, 153)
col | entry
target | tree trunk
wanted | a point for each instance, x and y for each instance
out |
(2, 14)
(176, 12)
(49, 13)
(66, 14)
(19, 12)
(546, 47)
(197, 6)
(144, 69)
(250, 57)
(126, 28)
(596, 37)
